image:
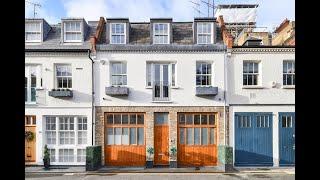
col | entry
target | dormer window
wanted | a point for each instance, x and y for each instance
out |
(204, 33)
(33, 32)
(118, 33)
(161, 33)
(72, 31)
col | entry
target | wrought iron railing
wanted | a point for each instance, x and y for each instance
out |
(161, 91)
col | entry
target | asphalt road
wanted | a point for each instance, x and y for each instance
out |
(161, 176)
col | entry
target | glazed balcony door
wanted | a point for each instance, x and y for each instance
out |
(161, 89)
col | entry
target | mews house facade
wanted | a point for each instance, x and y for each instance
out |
(159, 86)
(58, 90)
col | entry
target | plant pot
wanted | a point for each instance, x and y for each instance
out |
(46, 163)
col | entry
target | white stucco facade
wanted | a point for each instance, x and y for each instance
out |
(270, 95)
(183, 94)
(80, 105)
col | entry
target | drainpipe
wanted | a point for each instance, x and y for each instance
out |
(92, 80)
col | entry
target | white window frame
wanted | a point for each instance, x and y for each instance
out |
(211, 33)
(210, 75)
(113, 34)
(258, 74)
(287, 73)
(122, 75)
(152, 63)
(57, 146)
(157, 34)
(65, 31)
(38, 32)
(56, 76)
(38, 72)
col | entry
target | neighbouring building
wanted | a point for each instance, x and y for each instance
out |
(284, 34)
(261, 98)
(58, 90)
(160, 86)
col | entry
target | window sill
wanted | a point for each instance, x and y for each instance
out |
(252, 87)
(175, 87)
(30, 103)
(162, 101)
(289, 87)
(39, 88)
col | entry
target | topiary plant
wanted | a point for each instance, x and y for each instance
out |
(173, 151)
(46, 157)
(150, 151)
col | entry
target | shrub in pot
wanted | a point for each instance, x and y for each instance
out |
(46, 157)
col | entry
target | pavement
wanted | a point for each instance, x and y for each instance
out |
(138, 173)
(160, 176)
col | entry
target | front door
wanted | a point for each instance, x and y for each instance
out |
(287, 138)
(161, 139)
(161, 82)
(30, 138)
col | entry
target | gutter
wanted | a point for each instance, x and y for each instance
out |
(92, 84)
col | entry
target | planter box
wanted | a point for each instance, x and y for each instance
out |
(117, 91)
(206, 91)
(56, 93)
(149, 164)
(173, 164)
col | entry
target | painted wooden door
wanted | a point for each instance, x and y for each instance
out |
(124, 139)
(287, 138)
(253, 139)
(161, 139)
(197, 139)
(30, 144)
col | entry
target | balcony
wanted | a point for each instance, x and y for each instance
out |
(117, 91)
(61, 93)
(161, 91)
(206, 91)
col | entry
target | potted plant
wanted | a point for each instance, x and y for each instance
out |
(173, 155)
(150, 151)
(46, 157)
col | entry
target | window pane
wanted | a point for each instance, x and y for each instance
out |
(140, 119)
(198, 80)
(211, 119)
(189, 119)
(161, 118)
(256, 70)
(212, 138)
(250, 80)
(110, 137)
(140, 136)
(198, 70)
(117, 119)
(204, 119)
(245, 79)
(204, 136)
(250, 67)
(173, 74)
(255, 79)
(133, 136)
(245, 67)
(148, 74)
(196, 135)
(189, 136)
(125, 118)
(182, 119)
(197, 119)
(133, 119)
(109, 119)
(181, 136)
(125, 136)
(117, 133)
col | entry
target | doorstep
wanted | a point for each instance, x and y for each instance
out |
(289, 170)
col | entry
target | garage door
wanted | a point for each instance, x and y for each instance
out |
(253, 139)
(197, 139)
(124, 139)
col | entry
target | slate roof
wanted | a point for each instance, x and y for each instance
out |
(54, 41)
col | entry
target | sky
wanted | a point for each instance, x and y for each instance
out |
(270, 13)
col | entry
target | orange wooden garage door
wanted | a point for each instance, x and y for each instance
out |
(197, 139)
(125, 139)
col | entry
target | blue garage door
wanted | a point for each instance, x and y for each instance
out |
(253, 139)
(287, 138)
